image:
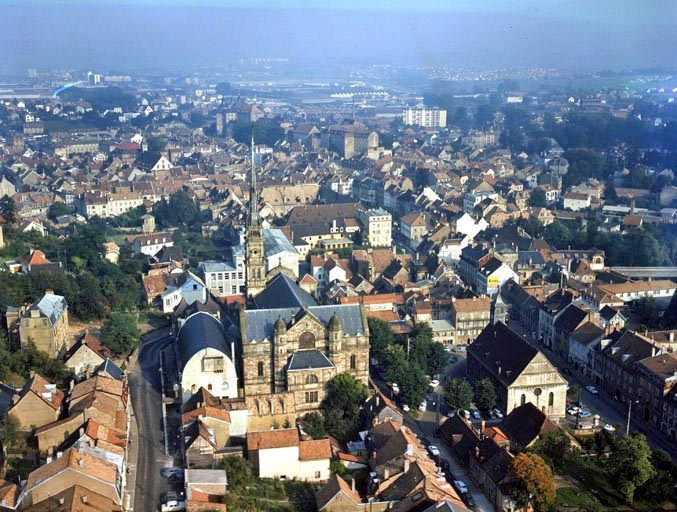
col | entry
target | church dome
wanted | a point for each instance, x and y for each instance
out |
(334, 323)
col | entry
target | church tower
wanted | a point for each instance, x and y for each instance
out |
(254, 256)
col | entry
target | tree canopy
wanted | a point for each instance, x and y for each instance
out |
(533, 482)
(341, 405)
(120, 333)
(485, 395)
(630, 464)
(459, 394)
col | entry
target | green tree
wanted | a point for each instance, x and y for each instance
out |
(413, 384)
(554, 448)
(240, 473)
(485, 395)
(56, 210)
(342, 403)
(7, 209)
(120, 333)
(337, 468)
(459, 394)
(155, 144)
(557, 234)
(437, 358)
(380, 336)
(537, 198)
(314, 425)
(533, 483)
(649, 312)
(630, 464)
(660, 486)
(10, 433)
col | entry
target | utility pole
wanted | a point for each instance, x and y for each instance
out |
(627, 425)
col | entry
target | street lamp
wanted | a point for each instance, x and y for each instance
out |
(627, 425)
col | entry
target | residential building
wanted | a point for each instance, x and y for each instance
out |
(222, 278)
(377, 227)
(425, 117)
(414, 227)
(469, 317)
(46, 325)
(37, 404)
(283, 454)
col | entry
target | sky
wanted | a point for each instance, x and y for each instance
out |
(105, 35)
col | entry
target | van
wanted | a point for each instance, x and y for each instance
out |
(173, 506)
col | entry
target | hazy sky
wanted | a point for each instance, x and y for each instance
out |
(125, 34)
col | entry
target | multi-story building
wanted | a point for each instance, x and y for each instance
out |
(377, 226)
(224, 278)
(469, 317)
(349, 140)
(46, 325)
(425, 117)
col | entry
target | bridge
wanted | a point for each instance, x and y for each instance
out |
(646, 272)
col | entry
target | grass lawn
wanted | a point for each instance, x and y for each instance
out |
(573, 497)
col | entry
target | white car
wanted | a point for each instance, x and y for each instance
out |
(395, 387)
(573, 410)
(434, 450)
(497, 413)
(460, 486)
(592, 390)
(423, 406)
(405, 408)
(434, 383)
(609, 428)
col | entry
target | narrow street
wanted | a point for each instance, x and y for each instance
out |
(144, 384)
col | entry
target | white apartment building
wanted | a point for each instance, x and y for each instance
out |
(225, 278)
(377, 226)
(426, 117)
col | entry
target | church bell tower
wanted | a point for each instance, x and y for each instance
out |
(254, 256)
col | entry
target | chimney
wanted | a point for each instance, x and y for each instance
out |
(672, 336)
(482, 425)
(84, 499)
(378, 400)
(352, 484)
(406, 465)
(62, 501)
(386, 474)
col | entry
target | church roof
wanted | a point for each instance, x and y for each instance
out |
(309, 359)
(199, 332)
(260, 322)
(283, 292)
(275, 242)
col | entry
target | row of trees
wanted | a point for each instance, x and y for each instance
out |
(460, 394)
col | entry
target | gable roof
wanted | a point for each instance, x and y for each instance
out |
(199, 332)
(333, 487)
(47, 392)
(315, 449)
(526, 423)
(270, 439)
(52, 306)
(308, 360)
(497, 342)
(282, 291)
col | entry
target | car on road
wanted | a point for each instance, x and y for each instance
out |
(395, 387)
(469, 500)
(169, 471)
(592, 390)
(423, 406)
(405, 408)
(434, 450)
(497, 414)
(475, 414)
(609, 427)
(448, 348)
(573, 410)
(434, 383)
(584, 414)
(460, 486)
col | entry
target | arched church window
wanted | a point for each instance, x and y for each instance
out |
(307, 341)
(259, 369)
(209, 386)
(311, 379)
(551, 399)
(523, 399)
(353, 362)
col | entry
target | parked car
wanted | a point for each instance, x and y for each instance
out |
(573, 410)
(584, 414)
(609, 428)
(497, 413)
(475, 414)
(434, 383)
(592, 390)
(434, 450)
(405, 408)
(423, 406)
(461, 487)
(395, 387)
(469, 500)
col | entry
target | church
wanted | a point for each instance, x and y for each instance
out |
(273, 356)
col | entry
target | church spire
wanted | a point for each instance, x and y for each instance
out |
(253, 195)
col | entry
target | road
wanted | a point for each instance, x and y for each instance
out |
(145, 389)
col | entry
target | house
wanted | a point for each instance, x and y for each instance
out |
(338, 496)
(576, 201)
(520, 373)
(656, 379)
(413, 228)
(380, 408)
(74, 468)
(619, 359)
(37, 404)
(567, 322)
(551, 308)
(72, 498)
(151, 161)
(207, 487)
(283, 454)
(492, 275)
(46, 325)
(87, 354)
(150, 244)
(583, 343)
(526, 424)
(184, 287)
